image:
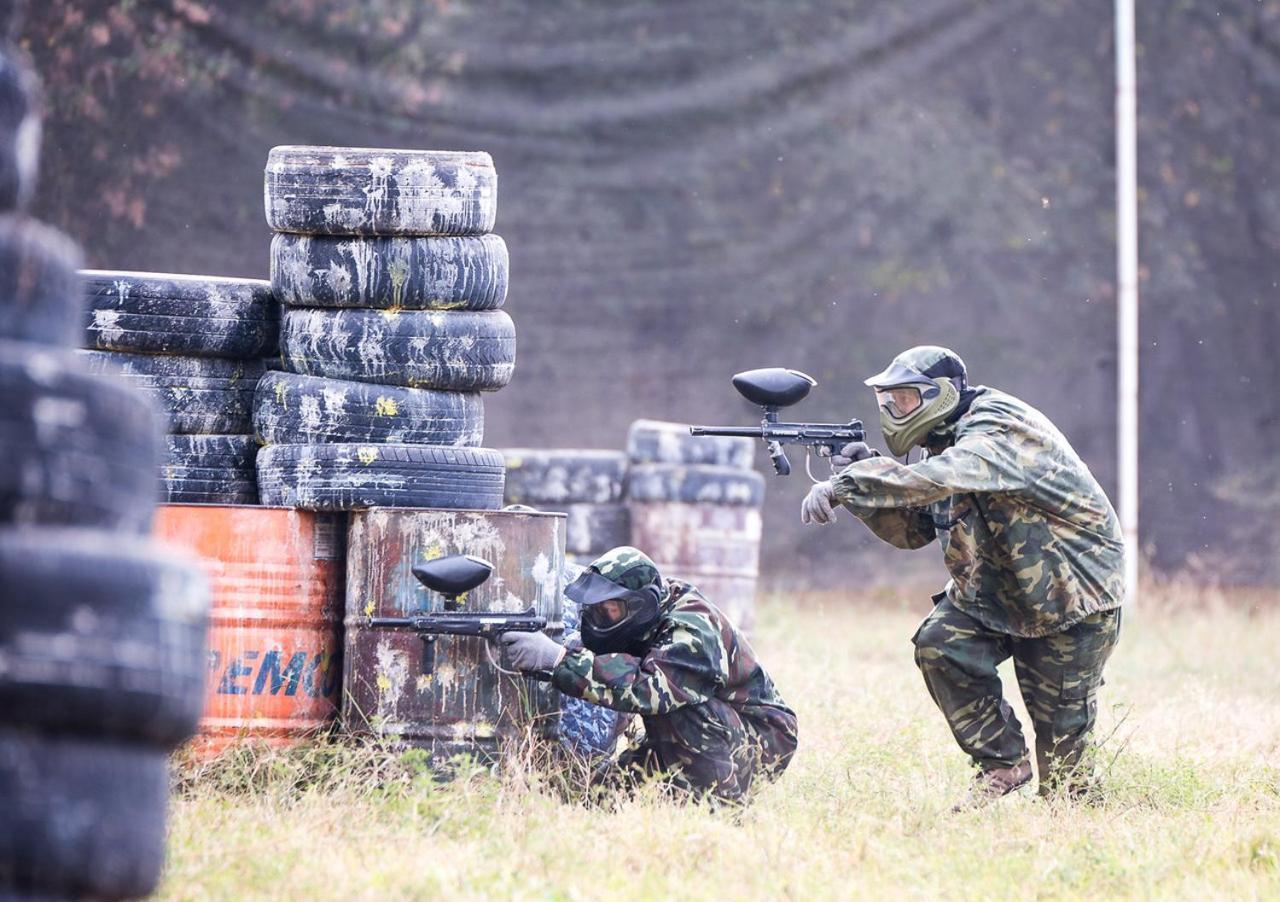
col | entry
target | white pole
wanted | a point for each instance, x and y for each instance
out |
(1127, 277)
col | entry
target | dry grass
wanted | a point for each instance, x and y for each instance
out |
(1192, 720)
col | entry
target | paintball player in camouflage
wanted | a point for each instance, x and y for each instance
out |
(655, 647)
(1034, 552)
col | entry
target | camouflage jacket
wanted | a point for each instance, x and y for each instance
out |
(695, 655)
(1032, 544)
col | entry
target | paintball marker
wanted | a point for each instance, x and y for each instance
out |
(452, 576)
(774, 388)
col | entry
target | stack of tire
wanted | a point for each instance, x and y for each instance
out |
(586, 485)
(695, 505)
(195, 344)
(101, 633)
(391, 282)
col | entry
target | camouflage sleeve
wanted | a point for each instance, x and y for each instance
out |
(986, 458)
(907, 527)
(683, 669)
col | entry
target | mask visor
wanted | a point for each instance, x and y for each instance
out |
(900, 401)
(591, 588)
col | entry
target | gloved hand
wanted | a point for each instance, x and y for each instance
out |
(852, 453)
(532, 651)
(819, 505)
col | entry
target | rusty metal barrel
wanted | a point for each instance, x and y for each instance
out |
(716, 547)
(464, 704)
(695, 509)
(276, 579)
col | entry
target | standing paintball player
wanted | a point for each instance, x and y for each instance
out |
(1034, 552)
(713, 719)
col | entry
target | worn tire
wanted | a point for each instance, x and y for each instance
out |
(198, 395)
(444, 273)
(695, 483)
(293, 409)
(593, 529)
(162, 313)
(220, 452)
(458, 351)
(211, 469)
(375, 191)
(19, 129)
(83, 818)
(40, 295)
(77, 448)
(655, 441)
(101, 635)
(550, 476)
(355, 476)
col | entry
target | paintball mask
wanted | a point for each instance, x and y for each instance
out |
(619, 596)
(916, 393)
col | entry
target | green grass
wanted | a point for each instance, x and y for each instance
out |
(1191, 722)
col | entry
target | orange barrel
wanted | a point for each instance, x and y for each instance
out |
(276, 576)
(716, 547)
(465, 704)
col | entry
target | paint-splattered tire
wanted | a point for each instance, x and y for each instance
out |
(542, 476)
(76, 448)
(198, 395)
(457, 351)
(372, 191)
(161, 313)
(655, 441)
(593, 529)
(442, 273)
(19, 129)
(211, 469)
(695, 483)
(293, 409)
(101, 635)
(358, 476)
(40, 294)
(83, 818)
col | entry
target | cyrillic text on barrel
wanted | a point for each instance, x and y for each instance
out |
(276, 577)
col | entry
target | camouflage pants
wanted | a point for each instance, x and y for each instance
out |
(1058, 675)
(713, 749)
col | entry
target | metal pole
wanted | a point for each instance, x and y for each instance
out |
(1127, 278)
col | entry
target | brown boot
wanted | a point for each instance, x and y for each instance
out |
(989, 785)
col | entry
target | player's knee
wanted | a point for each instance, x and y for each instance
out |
(931, 641)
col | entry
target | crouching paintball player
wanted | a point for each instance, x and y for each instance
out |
(655, 647)
(1034, 551)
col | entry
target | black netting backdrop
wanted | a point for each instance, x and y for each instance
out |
(692, 189)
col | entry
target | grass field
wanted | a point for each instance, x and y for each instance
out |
(1191, 720)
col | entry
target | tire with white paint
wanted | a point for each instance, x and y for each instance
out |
(83, 818)
(695, 483)
(593, 529)
(199, 395)
(457, 351)
(465, 272)
(226, 452)
(294, 409)
(656, 441)
(557, 476)
(77, 448)
(211, 469)
(40, 295)
(162, 313)
(377, 191)
(101, 635)
(357, 476)
(19, 129)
